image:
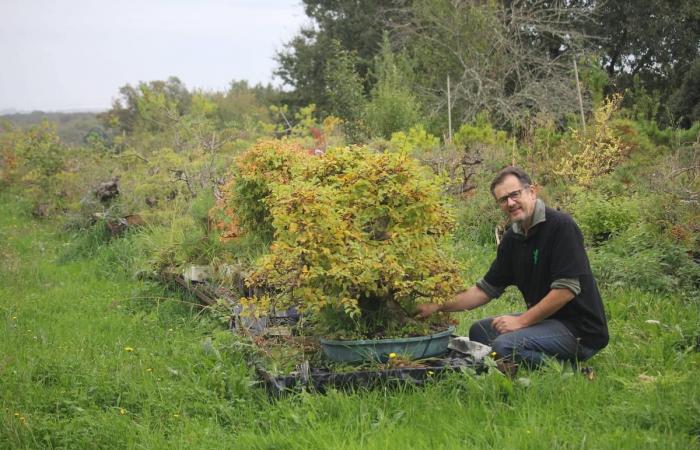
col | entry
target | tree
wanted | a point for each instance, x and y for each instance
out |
(345, 93)
(392, 106)
(652, 41)
(357, 25)
(511, 60)
(685, 103)
(243, 105)
(647, 37)
(147, 106)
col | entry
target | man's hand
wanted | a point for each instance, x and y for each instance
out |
(551, 303)
(506, 324)
(466, 300)
(426, 310)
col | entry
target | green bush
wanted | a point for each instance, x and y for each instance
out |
(641, 258)
(391, 109)
(415, 141)
(480, 132)
(246, 196)
(345, 91)
(600, 217)
(392, 106)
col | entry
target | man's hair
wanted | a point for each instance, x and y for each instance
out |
(511, 170)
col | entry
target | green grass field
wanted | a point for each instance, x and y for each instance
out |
(92, 358)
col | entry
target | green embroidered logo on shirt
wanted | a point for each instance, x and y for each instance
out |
(535, 255)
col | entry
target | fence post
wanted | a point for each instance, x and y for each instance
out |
(580, 98)
(449, 111)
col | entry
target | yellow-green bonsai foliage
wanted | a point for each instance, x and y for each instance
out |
(358, 237)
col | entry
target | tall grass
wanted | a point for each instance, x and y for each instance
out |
(95, 361)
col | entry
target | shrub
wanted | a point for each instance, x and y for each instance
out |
(600, 217)
(357, 234)
(245, 198)
(345, 92)
(595, 152)
(9, 161)
(52, 175)
(393, 106)
(640, 136)
(640, 257)
(479, 133)
(415, 141)
(390, 109)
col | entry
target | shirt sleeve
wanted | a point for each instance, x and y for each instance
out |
(571, 284)
(490, 290)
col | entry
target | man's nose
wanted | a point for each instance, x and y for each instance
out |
(510, 201)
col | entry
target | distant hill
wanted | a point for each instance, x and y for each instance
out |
(71, 126)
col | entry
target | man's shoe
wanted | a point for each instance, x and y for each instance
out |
(508, 368)
(588, 372)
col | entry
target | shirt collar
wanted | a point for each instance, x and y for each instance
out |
(537, 217)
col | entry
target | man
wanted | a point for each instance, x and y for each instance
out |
(543, 255)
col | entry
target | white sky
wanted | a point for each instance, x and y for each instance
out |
(75, 54)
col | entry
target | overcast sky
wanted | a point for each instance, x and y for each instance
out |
(75, 54)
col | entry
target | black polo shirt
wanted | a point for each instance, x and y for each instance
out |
(553, 250)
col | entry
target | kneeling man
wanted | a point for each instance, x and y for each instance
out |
(543, 255)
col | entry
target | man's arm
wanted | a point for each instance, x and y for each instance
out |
(551, 303)
(466, 300)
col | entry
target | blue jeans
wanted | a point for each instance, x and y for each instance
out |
(531, 345)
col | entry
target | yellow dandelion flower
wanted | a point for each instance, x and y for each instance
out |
(493, 354)
(149, 370)
(392, 355)
(431, 373)
(16, 414)
(14, 317)
(128, 349)
(122, 411)
(176, 415)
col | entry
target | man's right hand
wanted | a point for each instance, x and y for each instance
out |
(426, 310)
(466, 300)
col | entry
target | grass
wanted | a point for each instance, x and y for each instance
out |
(92, 358)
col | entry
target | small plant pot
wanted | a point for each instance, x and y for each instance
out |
(379, 349)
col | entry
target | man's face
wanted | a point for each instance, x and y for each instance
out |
(516, 200)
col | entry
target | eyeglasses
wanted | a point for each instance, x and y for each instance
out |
(515, 195)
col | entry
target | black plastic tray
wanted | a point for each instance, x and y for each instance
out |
(320, 380)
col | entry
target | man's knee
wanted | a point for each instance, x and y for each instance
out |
(481, 331)
(504, 346)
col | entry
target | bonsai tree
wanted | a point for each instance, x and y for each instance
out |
(355, 237)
